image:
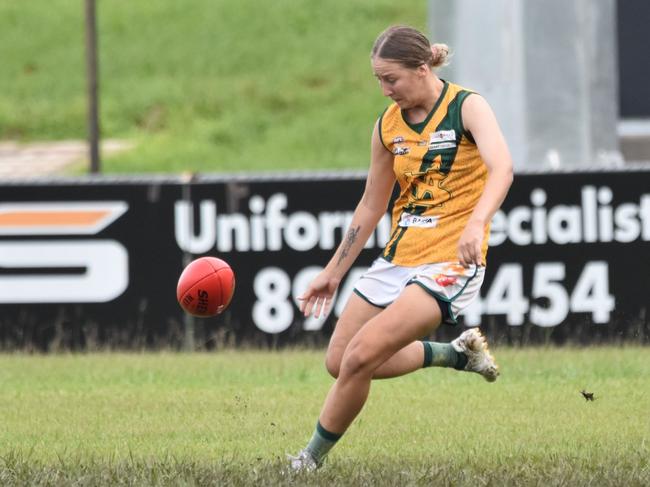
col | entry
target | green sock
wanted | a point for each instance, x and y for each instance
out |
(321, 443)
(443, 355)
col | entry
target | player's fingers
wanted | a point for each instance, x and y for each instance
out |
(323, 306)
(461, 258)
(317, 305)
(470, 257)
(477, 254)
(467, 257)
(302, 302)
(308, 306)
(326, 306)
(307, 296)
(314, 306)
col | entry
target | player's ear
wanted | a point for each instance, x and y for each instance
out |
(423, 70)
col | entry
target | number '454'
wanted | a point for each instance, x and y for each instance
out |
(506, 295)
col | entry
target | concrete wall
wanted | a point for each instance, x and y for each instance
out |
(548, 68)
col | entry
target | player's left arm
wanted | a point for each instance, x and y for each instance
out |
(479, 120)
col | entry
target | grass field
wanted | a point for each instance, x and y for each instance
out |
(209, 85)
(228, 418)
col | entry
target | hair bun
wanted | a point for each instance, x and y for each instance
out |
(440, 53)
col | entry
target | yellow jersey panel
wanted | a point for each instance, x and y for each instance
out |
(441, 177)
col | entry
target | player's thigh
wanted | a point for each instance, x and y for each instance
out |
(357, 312)
(413, 315)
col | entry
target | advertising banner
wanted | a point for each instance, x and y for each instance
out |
(93, 263)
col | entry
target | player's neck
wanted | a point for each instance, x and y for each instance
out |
(430, 94)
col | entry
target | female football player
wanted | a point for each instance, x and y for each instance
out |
(443, 146)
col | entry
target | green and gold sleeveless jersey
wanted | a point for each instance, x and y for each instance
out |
(441, 177)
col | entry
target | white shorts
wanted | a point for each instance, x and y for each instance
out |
(453, 286)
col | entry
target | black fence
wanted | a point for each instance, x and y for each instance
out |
(93, 263)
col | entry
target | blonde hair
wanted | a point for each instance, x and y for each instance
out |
(440, 55)
(410, 47)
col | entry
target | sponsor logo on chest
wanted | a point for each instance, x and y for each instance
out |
(408, 220)
(442, 139)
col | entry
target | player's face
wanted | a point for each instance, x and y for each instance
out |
(397, 82)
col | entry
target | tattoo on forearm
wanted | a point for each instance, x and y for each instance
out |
(350, 238)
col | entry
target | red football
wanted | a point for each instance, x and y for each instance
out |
(205, 287)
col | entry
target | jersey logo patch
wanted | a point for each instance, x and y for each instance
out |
(442, 145)
(400, 151)
(408, 220)
(442, 136)
(442, 139)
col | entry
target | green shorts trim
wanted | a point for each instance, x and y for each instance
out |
(448, 317)
(362, 296)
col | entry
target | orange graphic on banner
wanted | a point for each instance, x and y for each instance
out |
(27, 218)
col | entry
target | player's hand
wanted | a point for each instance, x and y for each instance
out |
(470, 243)
(317, 299)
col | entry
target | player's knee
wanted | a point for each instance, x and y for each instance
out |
(333, 359)
(334, 355)
(357, 361)
(333, 365)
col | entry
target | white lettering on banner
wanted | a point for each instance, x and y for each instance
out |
(185, 232)
(277, 305)
(277, 302)
(301, 232)
(272, 313)
(104, 279)
(594, 220)
(268, 227)
(505, 295)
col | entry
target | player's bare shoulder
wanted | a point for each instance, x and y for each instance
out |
(476, 110)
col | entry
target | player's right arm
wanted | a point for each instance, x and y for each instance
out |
(372, 206)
